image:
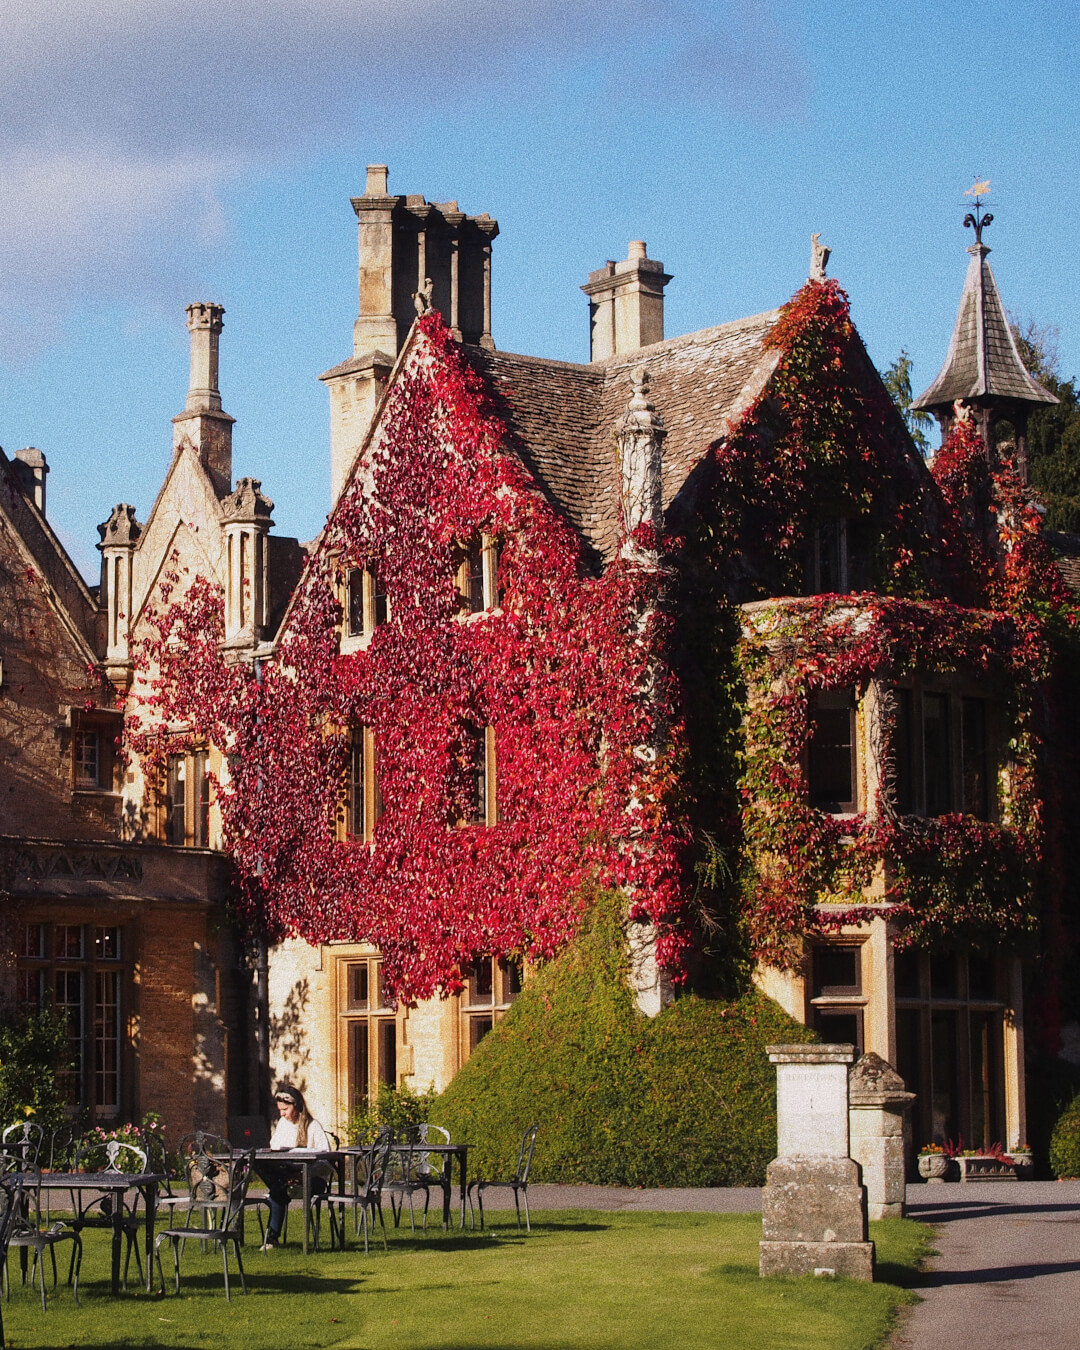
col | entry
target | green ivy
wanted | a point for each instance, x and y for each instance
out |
(34, 1051)
(684, 1099)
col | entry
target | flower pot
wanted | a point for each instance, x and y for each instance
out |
(933, 1166)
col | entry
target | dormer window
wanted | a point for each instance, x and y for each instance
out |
(366, 603)
(477, 576)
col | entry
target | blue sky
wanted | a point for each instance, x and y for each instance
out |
(156, 152)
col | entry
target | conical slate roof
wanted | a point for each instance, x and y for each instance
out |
(983, 359)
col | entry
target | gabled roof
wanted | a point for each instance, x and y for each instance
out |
(562, 416)
(983, 360)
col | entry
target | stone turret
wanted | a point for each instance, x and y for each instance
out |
(626, 303)
(119, 536)
(203, 424)
(412, 254)
(984, 377)
(247, 523)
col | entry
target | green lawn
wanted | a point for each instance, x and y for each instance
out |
(583, 1279)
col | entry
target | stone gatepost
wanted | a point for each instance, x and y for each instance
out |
(813, 1207)
(878, 1104)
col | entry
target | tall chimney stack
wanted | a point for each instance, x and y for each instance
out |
(202, 424)
(31, 468)
(626, 304)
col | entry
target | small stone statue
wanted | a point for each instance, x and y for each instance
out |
(819, 258)
(422, 298)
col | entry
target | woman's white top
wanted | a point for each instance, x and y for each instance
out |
(285, 1132)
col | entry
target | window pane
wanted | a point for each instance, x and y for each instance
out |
(943, 982)
(975, 758)
(837, 970)
(31, 988)
(68, 1000)
(471, 576)
(107, 944)
(830, 543)
(380, 987)
(906, 974)
(909, 1048)
(478, 1029)
(839, 1028)
(354, 617)
(201, 765)
(936, 754)
(359, 1069)
(481, 983)
(380, 609)
(176, 802)
(477, 786)
(511, 972)
(944, 1069)
(68, 941)
(87, 759)
(33, 939)
(107, 1040)
(982, 977)
(831, 777)
(357, 977)
(356, 784)
(388, 1050)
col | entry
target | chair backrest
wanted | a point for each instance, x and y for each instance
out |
(28, 1217)
(25, 1138)
(61, 1143)
(525, 1157)
(434, 1134)
(205, 1160)
(239, 1168)
(118, 1157)
(377, 1159)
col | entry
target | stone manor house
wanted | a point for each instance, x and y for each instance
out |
(117, 892)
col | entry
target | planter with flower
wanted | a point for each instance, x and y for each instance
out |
(933, 1162)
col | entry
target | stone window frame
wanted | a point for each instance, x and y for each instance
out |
(478, 744)
(362, 804)
(486, 999)
(839, 1000)
(368, 1029)
(193, 819)
(103, 726)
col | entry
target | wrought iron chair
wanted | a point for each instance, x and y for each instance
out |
(365, 1197)
(24, 1139)
(296, 1192)
(28, 1231)
(238, 1168)
(518, 1183)
(99, 1212)
(204, 1160)
(10, 1207)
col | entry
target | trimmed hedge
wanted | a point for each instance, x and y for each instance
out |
(1065, 1142)
(684, 1099)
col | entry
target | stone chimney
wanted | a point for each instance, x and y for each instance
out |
(413, 254)
(30, 470)
(626, 303)
(202, 424)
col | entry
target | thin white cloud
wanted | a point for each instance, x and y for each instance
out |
(122, 120)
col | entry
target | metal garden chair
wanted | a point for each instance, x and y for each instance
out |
(24, 1139)
(238, 1169)
(98, 1212)
(10, 1207)
(28, 1231)
(365, 1199)
(518, 1183)
(204, 1160)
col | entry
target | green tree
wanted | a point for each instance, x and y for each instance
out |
(897, 380)
(1053, 437)
(35, 1051)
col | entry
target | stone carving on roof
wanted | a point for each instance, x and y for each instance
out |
(819, 258)
(247, 502)
(121, 529)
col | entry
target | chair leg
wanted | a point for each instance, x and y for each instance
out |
(517, 1206)
(525, 1197)
(52, 1254)
(480, 1202)
(240, 1265)
(76, 1242)
(225, 1266)
(157, 1256)
(176, 1261)
(39, 1266)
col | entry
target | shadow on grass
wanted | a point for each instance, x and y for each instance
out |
(284, 1282)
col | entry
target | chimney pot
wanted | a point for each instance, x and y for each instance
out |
(377, 180)
(637, 249)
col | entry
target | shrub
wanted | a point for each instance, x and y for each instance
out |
(34, 1051)
(684, 1099)
(1065, 1142)
(397, 1107)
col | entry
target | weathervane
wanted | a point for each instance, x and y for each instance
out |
(978, 220)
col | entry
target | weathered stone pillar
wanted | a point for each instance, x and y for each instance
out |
(877, 1106)
(119, 536)
(813, 1207)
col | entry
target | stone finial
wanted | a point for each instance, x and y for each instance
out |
(247, 502)
(874, 1077)
(422, 298)
(819, 258)
(121, 530)
(639, 435)
(204, 321)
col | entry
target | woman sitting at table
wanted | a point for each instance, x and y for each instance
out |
(295, 1128)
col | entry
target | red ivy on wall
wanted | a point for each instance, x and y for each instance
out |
(563, 671)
